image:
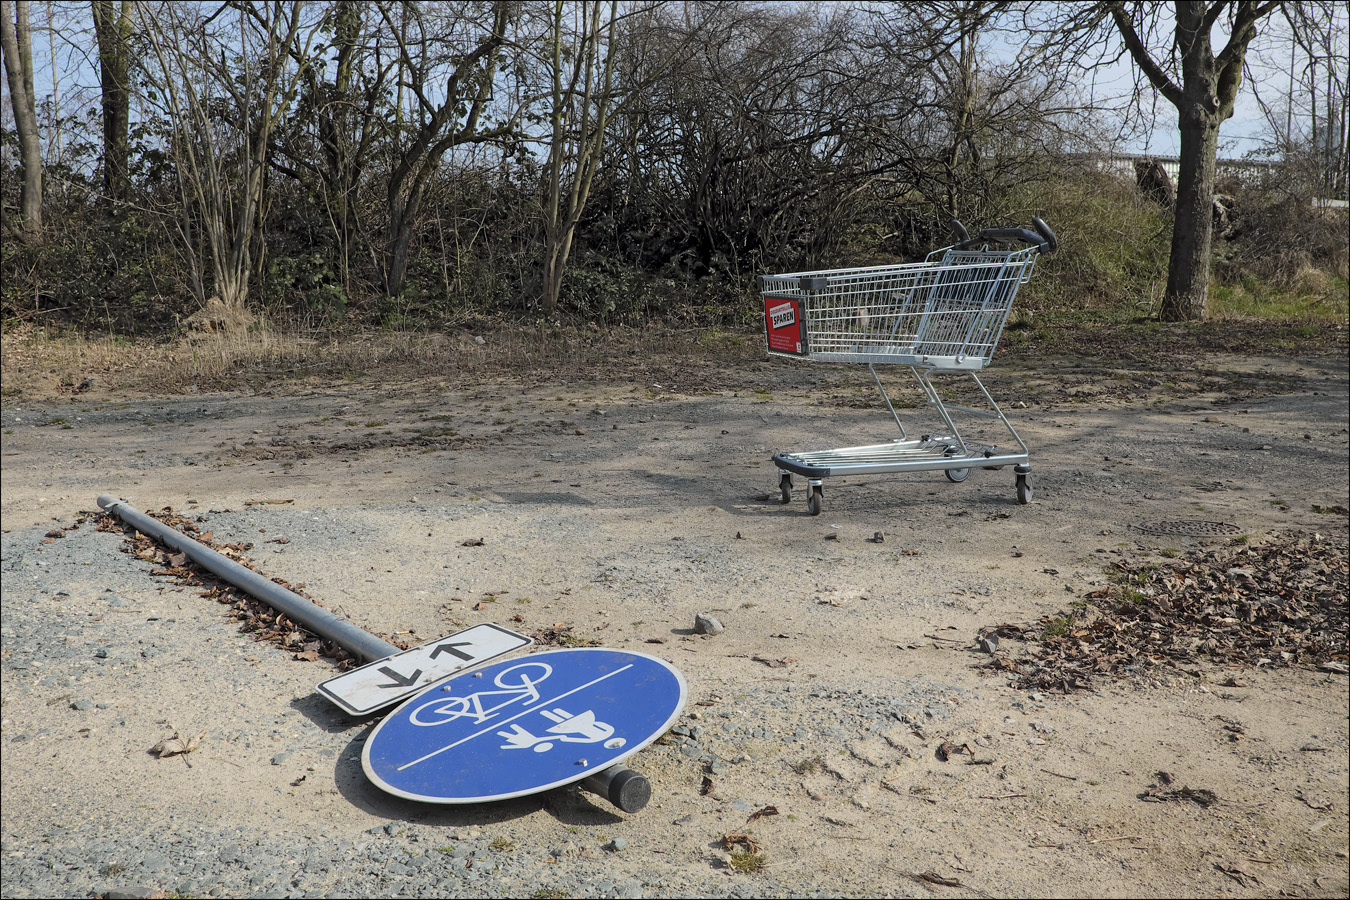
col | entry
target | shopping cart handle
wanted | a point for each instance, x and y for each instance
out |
(962, 236)
(1042, 238)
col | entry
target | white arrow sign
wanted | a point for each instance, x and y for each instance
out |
(378, 684)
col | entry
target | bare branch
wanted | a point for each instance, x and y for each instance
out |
(1139, 53)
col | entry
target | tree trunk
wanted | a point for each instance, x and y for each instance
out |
(113, 30)
(559, 247)
(16, 41)
(335, 132)
(1204, 99)
(398, 241)
(1187, 295)
(578, 145)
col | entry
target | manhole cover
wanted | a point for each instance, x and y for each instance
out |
(1188, 527)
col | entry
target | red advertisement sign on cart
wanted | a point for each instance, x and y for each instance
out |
(784, 326)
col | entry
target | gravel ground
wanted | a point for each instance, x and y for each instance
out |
(624, 511)
(70, 635)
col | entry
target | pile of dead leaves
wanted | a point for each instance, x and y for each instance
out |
(1279, 604)
(254, 616)
(1164, 792)
(561, 634)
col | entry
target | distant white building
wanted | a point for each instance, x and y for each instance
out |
(1122, 164)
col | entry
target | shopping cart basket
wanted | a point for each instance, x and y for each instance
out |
(942, 315)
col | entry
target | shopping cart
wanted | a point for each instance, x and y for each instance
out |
(942, 315)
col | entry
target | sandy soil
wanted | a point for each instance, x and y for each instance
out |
(626, 504)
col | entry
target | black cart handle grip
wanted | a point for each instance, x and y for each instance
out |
(1044, 231)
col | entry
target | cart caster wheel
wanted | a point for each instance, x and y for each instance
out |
(957, 475)
(1024, 488)
(785, 486)
(816, 501)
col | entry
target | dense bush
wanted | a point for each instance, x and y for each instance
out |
(1282, 239)
(1113, 246)
(477, 259)
(738, 140)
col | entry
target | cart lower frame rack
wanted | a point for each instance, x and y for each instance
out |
(943, 315)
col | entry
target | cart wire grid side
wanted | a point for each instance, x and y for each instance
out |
(943, 315)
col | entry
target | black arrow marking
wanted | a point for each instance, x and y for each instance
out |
(399, 679)
(450, 648)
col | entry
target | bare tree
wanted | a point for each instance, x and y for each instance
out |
(463, 44)
(1203, 86)
(580, 98)
(221, 119)
(744, 149)
(113, 29)
(1319, 30)
(327, 144)
(17, 44)
(965, 123)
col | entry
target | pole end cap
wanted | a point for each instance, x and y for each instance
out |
(630, 791)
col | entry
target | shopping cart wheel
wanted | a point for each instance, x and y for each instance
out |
(785, 485)
(958, 475)
(815, 502)
(1024, 488)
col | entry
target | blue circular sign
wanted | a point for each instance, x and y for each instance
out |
(524, 725)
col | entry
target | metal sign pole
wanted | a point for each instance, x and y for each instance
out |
(325, 624)
(626, 789)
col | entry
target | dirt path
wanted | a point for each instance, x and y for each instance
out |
(624, 508)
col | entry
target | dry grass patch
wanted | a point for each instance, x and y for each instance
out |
(41, 364)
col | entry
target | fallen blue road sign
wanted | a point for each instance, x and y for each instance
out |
(524, 725)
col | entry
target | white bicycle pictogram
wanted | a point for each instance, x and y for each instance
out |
(452, 709)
